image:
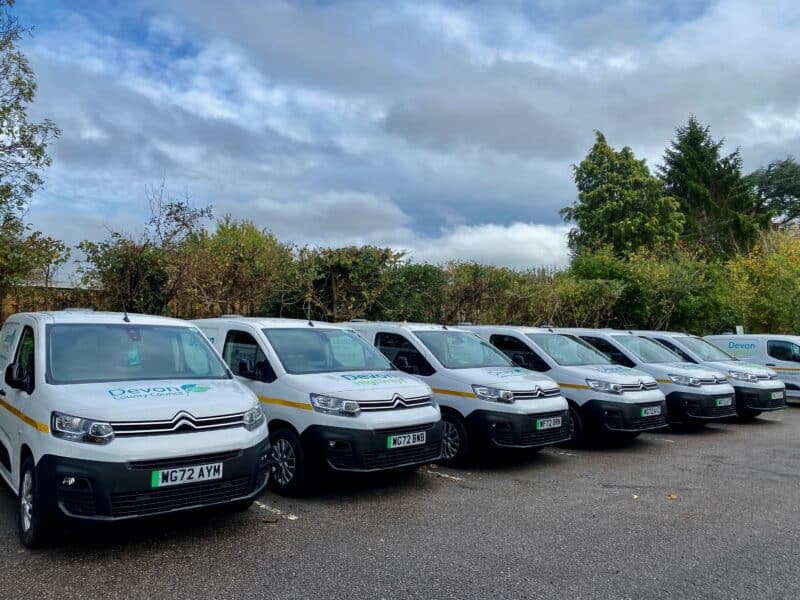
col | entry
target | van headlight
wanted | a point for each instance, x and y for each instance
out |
(604, 386)
(740, 376)
(335, 406)
(685, 380)
(253, 417)
(77, 429)
(493, 394)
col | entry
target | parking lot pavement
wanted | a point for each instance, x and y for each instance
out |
(706, 514)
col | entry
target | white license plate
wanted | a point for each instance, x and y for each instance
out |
(548, 423)
(405, 439)
(651, 411)
(725, 401)
(777, 395)
(165, 477)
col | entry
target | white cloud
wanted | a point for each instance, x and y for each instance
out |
(518, 245)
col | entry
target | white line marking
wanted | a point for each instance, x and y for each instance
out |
(442, 475)
(276, 511)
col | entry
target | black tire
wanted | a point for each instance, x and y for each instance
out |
(579, 434)
(33, 524)
(288, 468)
(455, 441)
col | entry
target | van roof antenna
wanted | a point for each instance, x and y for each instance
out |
(308, 316)
(125, 312)
(444, 326)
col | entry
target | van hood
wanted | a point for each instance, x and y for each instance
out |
(736, 365)
(610, 373)
(514, 379)
(360, 385)
(152, 400)
(687, 369)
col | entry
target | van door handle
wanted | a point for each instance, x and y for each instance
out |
(2, 392)
(771, 365)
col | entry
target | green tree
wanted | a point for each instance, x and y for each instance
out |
(777, 189)
(339, 284)
(717, 201)
(620, 204)
(415, 292)
(23, 154)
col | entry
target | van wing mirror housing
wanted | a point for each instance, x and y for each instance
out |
(401, 362)
(14, 379)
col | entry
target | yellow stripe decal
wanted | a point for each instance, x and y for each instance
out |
(25, 418)
(453, 393)
(664, 380)
(289, 403)
(573, 386)
(783, 369)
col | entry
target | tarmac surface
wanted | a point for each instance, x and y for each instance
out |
(713, 513)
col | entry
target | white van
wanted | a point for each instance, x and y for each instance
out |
(485, 398)
(778, 352)
(332, 401)
(604, 399)
(758, 388)
(107, 416)
(694, 393)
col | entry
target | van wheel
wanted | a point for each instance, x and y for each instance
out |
(455, 444)
(579, 437)
(34, 527)
(287, 470)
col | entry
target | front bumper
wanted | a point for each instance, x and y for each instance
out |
(623, 417)
(366, 450)
(760, 399)
(686, 406)
(511, 430)
(106, 491)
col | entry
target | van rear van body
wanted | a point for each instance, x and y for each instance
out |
(758, 388)
(606, 400)
(333, 402)
(109, 417)
(781, 353)
(486, 400)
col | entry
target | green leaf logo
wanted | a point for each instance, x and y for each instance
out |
(190, 388)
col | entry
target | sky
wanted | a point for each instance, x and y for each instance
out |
(445, 129)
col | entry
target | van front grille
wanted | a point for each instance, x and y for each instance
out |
(183, 422)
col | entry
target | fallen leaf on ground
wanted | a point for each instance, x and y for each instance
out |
(672, 496)
(270, 520)
(635, 497)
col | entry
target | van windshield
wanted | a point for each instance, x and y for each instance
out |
(646, 350)
(462, 350)
(703, 349)
(98, 352)
(324, 350)
(567, 350)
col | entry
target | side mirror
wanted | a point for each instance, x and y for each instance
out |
(246, 369)
(16, 380)
(401, 362)
(519, 360)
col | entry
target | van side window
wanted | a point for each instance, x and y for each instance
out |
(519, 352)
(783, 350)
(685, 357)
(26, 356)
(246, 358)
(403, 354)
(609, 350)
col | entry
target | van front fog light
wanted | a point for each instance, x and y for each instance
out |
(77, 429)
